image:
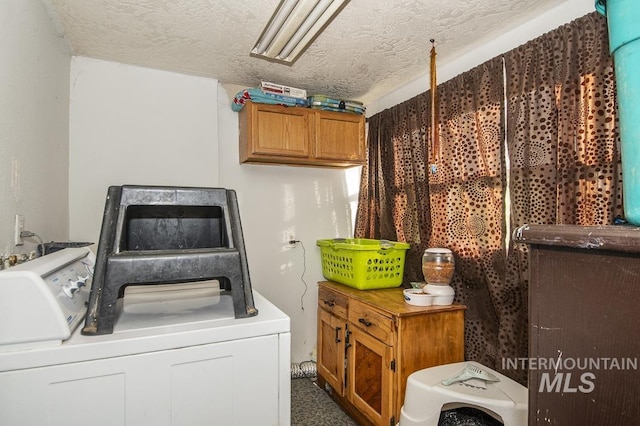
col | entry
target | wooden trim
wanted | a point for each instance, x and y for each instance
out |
(621, 237)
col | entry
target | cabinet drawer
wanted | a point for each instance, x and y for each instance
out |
(333, 302)
(371, 321)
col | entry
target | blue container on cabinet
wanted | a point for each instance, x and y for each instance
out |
(624, 44)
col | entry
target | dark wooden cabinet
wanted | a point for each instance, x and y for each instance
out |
(584, 300)
(370, 341)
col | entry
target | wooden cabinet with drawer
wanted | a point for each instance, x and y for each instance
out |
(370, 341)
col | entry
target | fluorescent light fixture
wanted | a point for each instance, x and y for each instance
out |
(293, 26)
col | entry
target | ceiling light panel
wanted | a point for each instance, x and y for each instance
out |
(293, 26)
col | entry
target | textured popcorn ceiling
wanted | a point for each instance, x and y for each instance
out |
(370, 49)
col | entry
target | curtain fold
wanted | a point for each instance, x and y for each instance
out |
(467, 202)
(394, 195)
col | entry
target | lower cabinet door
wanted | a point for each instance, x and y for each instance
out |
(331, 341)
(369, 378)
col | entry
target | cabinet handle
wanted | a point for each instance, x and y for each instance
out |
(330, 303)
(365, 322)
(337, 336)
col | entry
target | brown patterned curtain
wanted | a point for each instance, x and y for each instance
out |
(558, 164)
(563, 127)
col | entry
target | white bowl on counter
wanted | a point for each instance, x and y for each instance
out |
(415, 296)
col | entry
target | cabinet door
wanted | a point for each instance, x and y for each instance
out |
(369, 379)
(277, 131)
(331, 356)
(339, 136)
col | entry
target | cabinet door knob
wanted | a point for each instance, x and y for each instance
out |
(337, 334)
(329, 303)
(365, 322)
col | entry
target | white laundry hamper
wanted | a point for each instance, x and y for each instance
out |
(426, 397)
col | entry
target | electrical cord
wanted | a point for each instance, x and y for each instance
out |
(304, 271)
(29, 234)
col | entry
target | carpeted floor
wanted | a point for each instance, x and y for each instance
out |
(311, 406)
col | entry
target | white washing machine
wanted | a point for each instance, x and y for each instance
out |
(177, 355)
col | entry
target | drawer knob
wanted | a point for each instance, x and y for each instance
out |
(330, 303)
(365, 322)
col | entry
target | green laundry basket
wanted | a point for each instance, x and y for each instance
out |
(363, 263)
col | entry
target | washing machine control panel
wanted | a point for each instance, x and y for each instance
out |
(44, 300)
(69, 284)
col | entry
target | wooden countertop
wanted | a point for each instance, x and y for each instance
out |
(390, 300)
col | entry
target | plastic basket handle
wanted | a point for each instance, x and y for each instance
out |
(336, 241)
(386, 244)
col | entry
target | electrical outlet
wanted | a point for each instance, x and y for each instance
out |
(291, 238)
(19, 227)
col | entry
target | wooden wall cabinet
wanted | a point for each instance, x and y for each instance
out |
(583, 310)
(300, 136)
(370, 341)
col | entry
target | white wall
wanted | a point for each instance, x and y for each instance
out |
(34, 98)
(564, 13)
(311, 203)
(139, 126)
